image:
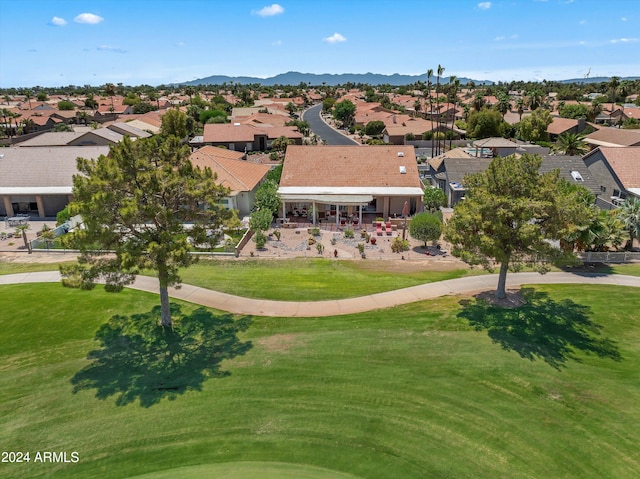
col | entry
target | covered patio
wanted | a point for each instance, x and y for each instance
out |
(349, 185)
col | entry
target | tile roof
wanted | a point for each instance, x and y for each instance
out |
(458, 168)
(236, 174)
(51, 139)
(560, 125)
(495, 143)
(128, 130)
(614, 137)
(625, 162)
(238, 132)
(43, 167)
(349, 166)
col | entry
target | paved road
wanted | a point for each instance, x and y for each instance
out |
(263, 307)
(324, 131)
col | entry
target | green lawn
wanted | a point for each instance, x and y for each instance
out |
(308, 279)
(437, 389)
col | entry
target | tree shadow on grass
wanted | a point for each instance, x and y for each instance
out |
(138, 359)
(542, 328)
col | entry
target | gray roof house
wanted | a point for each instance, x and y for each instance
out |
(571, 168)
(39, 181)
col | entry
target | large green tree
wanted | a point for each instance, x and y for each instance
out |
(534, 127)
(434, 198)
(142, 206)
(344, 111)
(485, 124)
(512, 215)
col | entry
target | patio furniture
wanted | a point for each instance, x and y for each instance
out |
(379, 228)
(343, 222)
(356, 222)
(387, 228)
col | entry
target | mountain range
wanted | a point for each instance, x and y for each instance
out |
(295, 78)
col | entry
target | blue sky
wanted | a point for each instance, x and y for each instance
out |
(78, 42)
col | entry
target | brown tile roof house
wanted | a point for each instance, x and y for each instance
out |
(381, 178)
(617, 170)
(241, 177)
(40, 180)
(240, 137)
(560, 126)
(614, 137)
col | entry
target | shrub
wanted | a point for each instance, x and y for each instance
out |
(348, 234)
(426, 227)
(361, 248)
(398, 245)
(260, 238)
(314, 231)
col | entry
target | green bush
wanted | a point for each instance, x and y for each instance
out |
(398, 245)
(261, 239)
(349, 233)
(426, 227)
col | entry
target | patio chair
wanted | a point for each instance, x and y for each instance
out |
(343, 222)
(379, 228)
(356, 222)
(387, 227)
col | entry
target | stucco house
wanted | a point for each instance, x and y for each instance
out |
(39, 181)
(617, 172)
(232, 171)
(340, 181)
(246, 137)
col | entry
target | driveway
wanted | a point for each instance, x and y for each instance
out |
(324, 131)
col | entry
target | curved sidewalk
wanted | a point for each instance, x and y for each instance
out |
(335, 307)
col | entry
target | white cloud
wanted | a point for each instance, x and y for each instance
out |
(277, 43)
(109, 48)
(484, 5)
(89, 18)
(499, 39)
(623, 19)
(625, 40)
(180, 44)
(582, 22)
(58, 22)
(269, 10)
(335, 38)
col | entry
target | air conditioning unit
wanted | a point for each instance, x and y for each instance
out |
(400, 154)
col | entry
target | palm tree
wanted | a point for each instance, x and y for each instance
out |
(614, 83)
(478, 101)
(454, 85)
(571, 144)
(504, 104)
(27, 96)
(520, 107)
(534, 100)
(594, 110)
(429, 75)
(629, 213)
(440, 71)
(110, 90)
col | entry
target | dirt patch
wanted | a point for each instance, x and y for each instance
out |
(36, 257)
(514, 298)
(280, 343)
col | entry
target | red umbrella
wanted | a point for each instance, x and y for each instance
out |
(405, 209)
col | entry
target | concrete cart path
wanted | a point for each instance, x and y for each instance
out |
(334, 307)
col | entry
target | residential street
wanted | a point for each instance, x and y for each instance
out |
(324, 131)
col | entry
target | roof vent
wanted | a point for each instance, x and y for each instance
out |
(403, 170)
(236, 124)
(400, 154)
(576, 176)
